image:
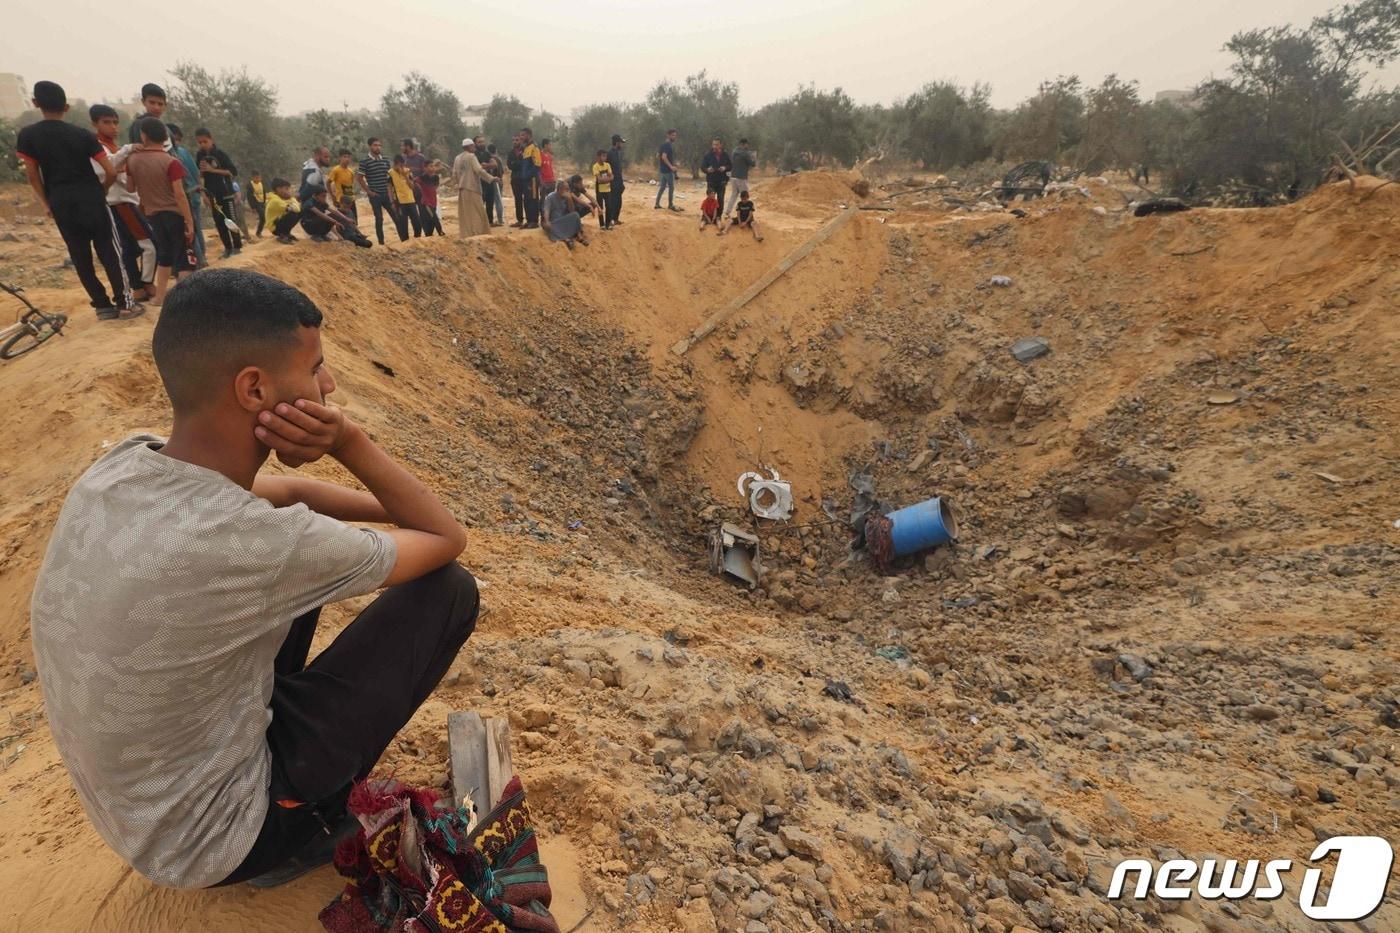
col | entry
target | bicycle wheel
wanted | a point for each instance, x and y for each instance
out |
(34, 332)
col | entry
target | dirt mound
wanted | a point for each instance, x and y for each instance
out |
(823, 190)
(1162, 632)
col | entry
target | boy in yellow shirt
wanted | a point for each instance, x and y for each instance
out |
(283, 211)
(340, 185)
(602, 182)
(406, 208)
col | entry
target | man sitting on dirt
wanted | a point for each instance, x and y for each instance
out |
(176, 605)
(319, 219)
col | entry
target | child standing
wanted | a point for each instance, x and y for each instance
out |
(158, 179)
(602, 183)
(402, 179)
(257, 199)
(428, 184)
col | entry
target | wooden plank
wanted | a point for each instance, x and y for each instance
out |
(499, 769)
(772, 275)
(466, 749)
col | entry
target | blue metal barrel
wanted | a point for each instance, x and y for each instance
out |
(922, 526)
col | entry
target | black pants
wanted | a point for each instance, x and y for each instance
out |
(517, 191)
(407, 215)
(260, 208)
(286, 224)
(87, 227)
(432, 223)
(224, 208)
(381, 203)
(532, 202)
(332, 719)
(315, 226)
(614, 203)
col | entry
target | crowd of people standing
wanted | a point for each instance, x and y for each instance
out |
(139, 207)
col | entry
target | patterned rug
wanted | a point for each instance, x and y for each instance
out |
(419, 865)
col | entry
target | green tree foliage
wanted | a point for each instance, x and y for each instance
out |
(592, 129)
(810, 129)
(504, 116)
(240, 110)
(1047, 126)
(338, 130)
(943, 125)
(10, 169)
(1112, 135)
(1275, 122)
(423, 110)
(698, 110)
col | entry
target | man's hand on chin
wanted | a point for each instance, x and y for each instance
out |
(304, 431)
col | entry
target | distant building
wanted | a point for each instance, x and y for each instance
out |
(1186, 99)
(14, 96)
(473, 114)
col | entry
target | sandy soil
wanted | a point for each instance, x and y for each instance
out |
(1167, 629)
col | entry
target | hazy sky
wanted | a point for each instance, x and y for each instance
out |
(565, 54)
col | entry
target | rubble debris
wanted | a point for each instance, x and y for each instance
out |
(768, 498)
(838, 690)
(734, 552)
(383, 368)
(1000, 281)
(1028, 348)
(1159, 206)
(1222, 398)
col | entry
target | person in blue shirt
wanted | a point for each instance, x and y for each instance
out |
(194, 193)
(666, 165)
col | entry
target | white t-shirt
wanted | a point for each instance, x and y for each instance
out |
(120, 192)
(166, 592)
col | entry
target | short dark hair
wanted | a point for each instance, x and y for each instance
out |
(175, 131)
(153, 129)
(545, 141)
(526, 129)
(491, 148)
(256, 171)
(575, 180)
(399, 159)
(371, 141)
(279, 182)
(672, 130)
(203, 131)
(215, 322)
(152, 90)
(408, 141)
(99, 111)
(602, 152)
(317, 189)
(744, 140)
(345, 152)
(50, 96)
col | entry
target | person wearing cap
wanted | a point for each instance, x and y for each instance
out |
(470, 177)
(716, 165)
(614, 209)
